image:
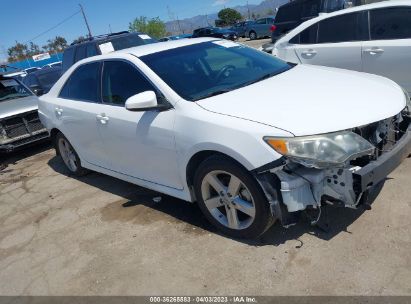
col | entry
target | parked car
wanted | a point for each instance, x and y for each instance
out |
(19, 121)
(40, 82)
(51, 65)
(373, 38)
(292, 14)
(215, 32)
(196, 119)
(103, 44)
(241, 28)
(176, 37)
(260, 28)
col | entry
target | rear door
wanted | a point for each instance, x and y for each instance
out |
(76, 111)
(261, 27)
(388, 53)
(337, 44)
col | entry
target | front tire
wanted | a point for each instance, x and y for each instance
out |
(69, 155)
(231, 198)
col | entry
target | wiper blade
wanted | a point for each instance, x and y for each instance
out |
(219, 92)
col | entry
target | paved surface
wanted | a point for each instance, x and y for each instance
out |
(97, 235)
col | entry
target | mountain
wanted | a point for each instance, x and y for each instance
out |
(266, 7)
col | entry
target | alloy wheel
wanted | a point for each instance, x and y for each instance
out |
(228, 200)
(67, 154)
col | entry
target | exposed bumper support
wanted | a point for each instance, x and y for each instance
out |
(377, 171)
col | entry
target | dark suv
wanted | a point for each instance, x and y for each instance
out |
(103, 44)
(292, 14)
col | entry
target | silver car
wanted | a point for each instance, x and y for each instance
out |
(19, 121)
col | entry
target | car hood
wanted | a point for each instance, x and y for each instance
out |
(308, 100)
(17, 106)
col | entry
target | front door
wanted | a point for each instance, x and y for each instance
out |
(388, 53)
(139, 144)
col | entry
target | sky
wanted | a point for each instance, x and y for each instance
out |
(27, 19)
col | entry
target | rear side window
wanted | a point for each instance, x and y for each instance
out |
(83, 84)
(68, 58)
(308, 36)
(91, 50)
(390, 23)
(121, 80)
(80, 53)
(130, 40)
(341, 28)
(261, 21)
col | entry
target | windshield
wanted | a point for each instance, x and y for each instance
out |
(12, 89)
(206, 69)
(130, 40)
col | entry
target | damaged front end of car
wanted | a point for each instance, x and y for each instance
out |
(339, 168)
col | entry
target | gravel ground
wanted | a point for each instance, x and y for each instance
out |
(97, 235)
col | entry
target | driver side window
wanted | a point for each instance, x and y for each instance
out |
(121, 80)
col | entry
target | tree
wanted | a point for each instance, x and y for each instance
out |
(17, 52)
(56, 45)
(229, 16)
(153, 27)
(79, 39)
(33, 49)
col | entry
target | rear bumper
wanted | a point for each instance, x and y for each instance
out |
(376, 171)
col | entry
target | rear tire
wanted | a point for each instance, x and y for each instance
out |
(231, 198)
(69, 155)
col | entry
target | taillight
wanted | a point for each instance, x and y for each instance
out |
(273, 28)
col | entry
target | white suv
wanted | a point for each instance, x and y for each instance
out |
(374, 38)
(197, 119)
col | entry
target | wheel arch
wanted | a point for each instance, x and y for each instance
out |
(196, 159)
(53, 134)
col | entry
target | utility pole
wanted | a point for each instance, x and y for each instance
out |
(248, 9)
(85, 20)
(179, 26)
(172, 19)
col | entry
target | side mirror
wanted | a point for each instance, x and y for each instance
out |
(37, 90)
(144, 101)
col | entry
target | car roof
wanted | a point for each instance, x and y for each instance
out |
(322, 16)
(381, 4)
(147, 49)
(105, 37)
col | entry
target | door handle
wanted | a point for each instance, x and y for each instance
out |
(374, 51)
(58, 111)
(102, 118)
(309, 53)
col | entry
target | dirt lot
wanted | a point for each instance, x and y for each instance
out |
(97, 235)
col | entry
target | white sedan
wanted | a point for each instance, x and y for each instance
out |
(250, 138)
(373, 38)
